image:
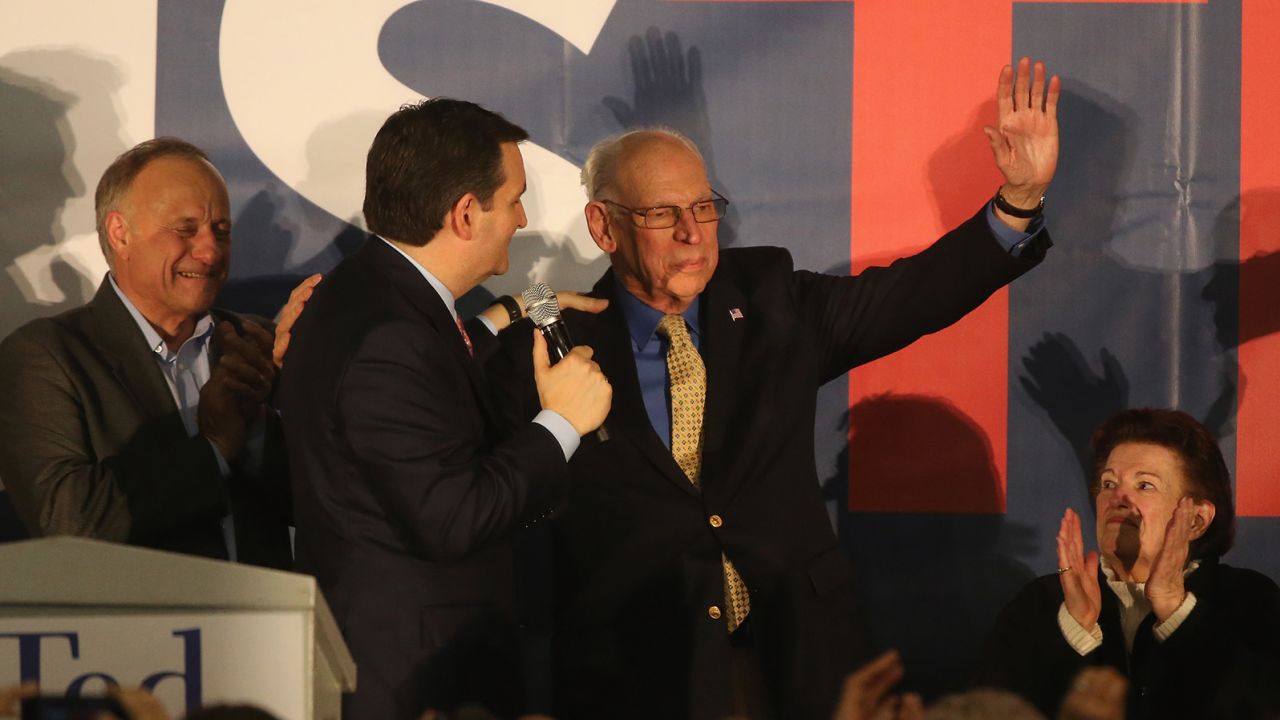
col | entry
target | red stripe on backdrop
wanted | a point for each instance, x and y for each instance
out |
(924, 78)
(1258, 417)
(929, 428)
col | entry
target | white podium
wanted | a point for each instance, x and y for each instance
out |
(80, 613)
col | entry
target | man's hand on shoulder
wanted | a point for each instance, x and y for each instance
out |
(500, 318)
(289, 315)
(237, 387)
(575, 387)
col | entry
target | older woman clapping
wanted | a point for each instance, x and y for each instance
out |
(1196, 638)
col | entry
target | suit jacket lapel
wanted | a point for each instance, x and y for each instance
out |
(628, 421)
(721, 347)
(421, 295)
(116, 334)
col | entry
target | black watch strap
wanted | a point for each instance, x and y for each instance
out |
(1017, 211)
(512, 307)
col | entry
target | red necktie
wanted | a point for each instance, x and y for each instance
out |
(465, 337)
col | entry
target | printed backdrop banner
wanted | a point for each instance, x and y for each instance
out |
(847, 132)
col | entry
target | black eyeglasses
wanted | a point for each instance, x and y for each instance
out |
(662, 217)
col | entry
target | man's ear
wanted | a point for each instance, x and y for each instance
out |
(462, 216)
(118, 234)
(598, 224)
(1205, 512)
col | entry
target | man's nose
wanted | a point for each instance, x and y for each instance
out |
(206, 248)
(688, 230)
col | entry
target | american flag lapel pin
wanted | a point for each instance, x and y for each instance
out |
(735, 314)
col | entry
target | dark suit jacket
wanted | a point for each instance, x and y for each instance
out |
(92, 444)
(408, 487)
(1222, 662)
(638, 563)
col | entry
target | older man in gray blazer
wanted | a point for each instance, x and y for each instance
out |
(141, 417)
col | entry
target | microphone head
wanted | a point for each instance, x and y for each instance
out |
(542, 305)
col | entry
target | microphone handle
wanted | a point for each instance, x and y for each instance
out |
(558, 342)
(558, 345)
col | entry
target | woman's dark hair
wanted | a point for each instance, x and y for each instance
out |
(1202, 464)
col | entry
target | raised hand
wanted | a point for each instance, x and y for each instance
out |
(1078, 573)
(289, 315)
(866, 693)
(1165, 588)
(1025, 138)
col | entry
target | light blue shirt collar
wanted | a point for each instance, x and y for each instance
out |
(441, 290)
(203, 328)
(642, 320)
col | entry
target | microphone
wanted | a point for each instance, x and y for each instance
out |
(543, 307)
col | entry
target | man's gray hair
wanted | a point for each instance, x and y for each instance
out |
(602, 162)
(119, 176)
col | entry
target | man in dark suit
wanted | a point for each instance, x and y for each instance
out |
(698, 572)
(141, 417)
(409, 480)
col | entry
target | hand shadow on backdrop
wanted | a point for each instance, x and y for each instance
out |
(667, 90)
(277, 224)
(1056, 373)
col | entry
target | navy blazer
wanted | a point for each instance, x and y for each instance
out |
(409, 482)
(1222, 662)
(637, 558)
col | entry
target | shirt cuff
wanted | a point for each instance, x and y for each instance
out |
(1013, 241)
(223, 467)
(561, 430)
(1163, 630)
(1081, 640)
(488, 323)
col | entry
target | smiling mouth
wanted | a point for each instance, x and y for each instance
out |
(196, 275)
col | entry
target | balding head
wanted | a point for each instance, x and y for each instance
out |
(114, 186)
(647, 188)
(600, 170)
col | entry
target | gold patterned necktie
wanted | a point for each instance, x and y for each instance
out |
(688, 398)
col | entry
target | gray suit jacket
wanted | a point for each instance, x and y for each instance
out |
(92, 444)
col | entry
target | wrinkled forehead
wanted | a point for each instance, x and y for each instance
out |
(660, 170)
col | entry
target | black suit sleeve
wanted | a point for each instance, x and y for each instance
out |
(883, 309)
(1226, 653)
(441, 473)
